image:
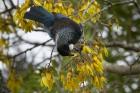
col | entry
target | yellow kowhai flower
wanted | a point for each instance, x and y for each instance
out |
(96, 8)
(105, 51)
(92, 66)
(69, 75)
(70, 82)
(14, 82)
(47, 80)
(96, 82)
(85, 69)
(81, 77)
(85, 6)
(81, 68)
(89, 69)
(97, 61)
(91, 10)
(97, 68)
(37, 2)
(99, 81)
(19, 17)
(70, 10)
(48, 6)
(87, 49)
(97, 64)
(3, 43)
(75, 18)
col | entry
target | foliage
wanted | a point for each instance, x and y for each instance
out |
(113, 24)
(81, 13)
(84, 67)
(14, 82)
(91, 69)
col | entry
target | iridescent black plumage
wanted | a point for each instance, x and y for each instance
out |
(63, 30)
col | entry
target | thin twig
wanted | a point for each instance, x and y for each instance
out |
(107, 7)
(48, 58)
(33, 43)
(51, 56)
(136, 5)
(7, 10)
(88, 7)
(31, 48)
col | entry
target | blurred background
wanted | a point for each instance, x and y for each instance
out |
(118, 27)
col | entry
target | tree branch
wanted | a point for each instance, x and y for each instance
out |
(136, 5)
(122, 70)
(7, 10)
(33, 43)
(109, 6)
(31, 48)
(121, 45)
(48, 58)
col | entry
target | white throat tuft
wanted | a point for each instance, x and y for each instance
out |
(71, 46)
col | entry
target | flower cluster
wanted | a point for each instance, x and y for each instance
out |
(70, 81)
(47, 79)
(88, 68)
(85, 67)
(19, 17)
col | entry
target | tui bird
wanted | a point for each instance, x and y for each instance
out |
(64, 31)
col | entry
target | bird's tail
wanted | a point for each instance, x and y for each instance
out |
(39, 14)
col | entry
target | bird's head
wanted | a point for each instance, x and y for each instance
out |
(65, 50)
(67, 33)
